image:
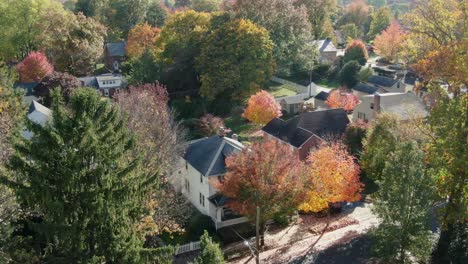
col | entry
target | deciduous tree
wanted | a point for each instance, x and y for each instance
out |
(338, 99)
(206, 5)
(448, 156)
(319, 13)
(262, 108)
(381, 19)
(66, 82)
(389, 43)
(267, 175)
(348, 76)
(333, 177)
(34, 67)
(160, 143)
(74, 43)
(157, 14)
(403, 203)
(288, 27)
(235, 61)
(141, 38)
(354, 137)
(209, 125)
(77, 178)
(123, 15)
(356, 12)
(356, 50)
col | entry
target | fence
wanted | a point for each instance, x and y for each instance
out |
(192, 246)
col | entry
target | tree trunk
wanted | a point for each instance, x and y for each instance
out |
(441, 254)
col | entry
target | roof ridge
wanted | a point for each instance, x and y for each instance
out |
(215, 157)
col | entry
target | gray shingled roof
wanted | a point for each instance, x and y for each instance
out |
(297, 130)
(382, 81)
(208, 155)
(322, 96)
(88, 81)
(365, 88)
(325, 45)
(116, 48)
(404, 105)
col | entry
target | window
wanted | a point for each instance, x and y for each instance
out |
(186, 165)
(201, 178)
(187, 185)
(361, 116)
(398, 86)
(371, 105)
(106, 92)
(202, 199)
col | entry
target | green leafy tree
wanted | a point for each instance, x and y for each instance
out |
(76, 176)
(22, 22)
(350, 32)
(74, 42)
(448, 157)
(403, 203)
(210, 253)
(206, 5)
(348, 76)
(235, 61)
(319, 13)
(356, 50)
(288, 27)
(365, 73)
(381, 19)
(354, 137)
(157, 14)
(178, 45)
(91, 8)
(123, 15)
(143, 69)
(182, 3)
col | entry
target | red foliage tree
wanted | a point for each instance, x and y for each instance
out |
(262, 108)
(210, 124)
(34, 67)
(334, 177)
(267, 175)
(66, 82)
(337, 99)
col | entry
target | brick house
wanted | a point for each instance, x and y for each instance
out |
(114, 54)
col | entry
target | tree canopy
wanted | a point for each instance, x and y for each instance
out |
(262, 108)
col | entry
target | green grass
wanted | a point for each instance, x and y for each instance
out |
(281, 90)
(328, 83)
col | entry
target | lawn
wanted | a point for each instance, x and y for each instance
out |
(281, 90)
(328, 83)
(242, 128)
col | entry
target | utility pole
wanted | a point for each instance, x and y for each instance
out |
(257, 237)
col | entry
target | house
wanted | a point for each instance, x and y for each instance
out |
(404, 105)
(38, 114)
(108, 84)
(203, 163)
(327, 50)
(114, 54)
(388, 84)
(319, 100)
(307, 130)
(292, 104)
(28, 89)
(363, 89)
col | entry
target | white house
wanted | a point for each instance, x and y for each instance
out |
(108, 84)
(404, 105)
(319, 100)
(38, 114)
(203, 164)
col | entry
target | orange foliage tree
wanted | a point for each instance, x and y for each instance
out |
(347, 101)
(267, 175)
(388, 43)
(141, 38)
(34, 67)
(262, 108)
(333, 177)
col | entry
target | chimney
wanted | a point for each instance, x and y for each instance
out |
(221, 132)
(235, 137)
(376, 103)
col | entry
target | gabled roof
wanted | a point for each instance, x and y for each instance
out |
(38, 113)
(116, 48)
(322, 96)
(382, 81)
(293, 99)
(297, 130)
(208, 155)
(404, 105)
(324, 45)
(365, 88)
(88, 81)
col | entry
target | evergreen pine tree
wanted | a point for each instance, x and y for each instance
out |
(75, 174)
(210, 251)
(403, 203)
